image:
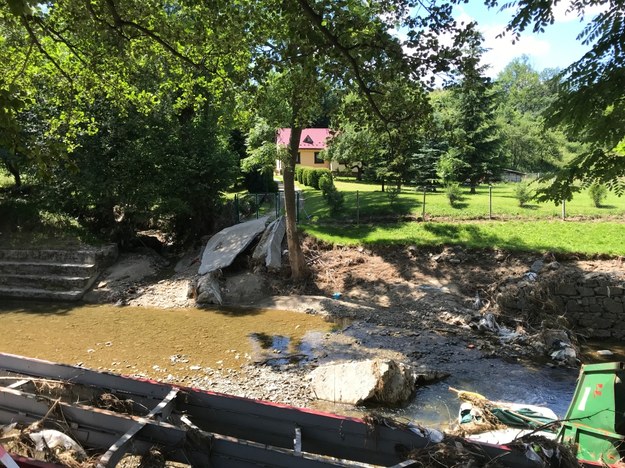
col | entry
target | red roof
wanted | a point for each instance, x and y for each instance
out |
(311, 138)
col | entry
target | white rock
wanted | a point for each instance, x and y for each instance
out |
(380, 381)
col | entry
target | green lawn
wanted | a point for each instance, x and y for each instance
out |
(587, 237)
(538, 227)
(374, 203)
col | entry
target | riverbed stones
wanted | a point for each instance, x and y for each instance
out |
(359, 382)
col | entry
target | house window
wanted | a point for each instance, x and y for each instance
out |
(299, 158)
(308, 140)
(318, 158)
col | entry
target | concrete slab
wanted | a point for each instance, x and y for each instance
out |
(274, 250)
(270, 245)
(223, 247)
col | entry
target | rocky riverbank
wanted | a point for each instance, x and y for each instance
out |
(438, 311)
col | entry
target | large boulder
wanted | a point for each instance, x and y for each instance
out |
(372, 381)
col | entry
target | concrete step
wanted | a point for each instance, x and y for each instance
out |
(54, 282)
(46, 269)
(40, 294)
(52, 274)
(49, 256)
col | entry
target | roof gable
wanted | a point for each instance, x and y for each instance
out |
(311, 138)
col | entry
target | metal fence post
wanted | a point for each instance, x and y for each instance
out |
(257, 207)
(490, 201)
(423, 210)
(563, 209)
(236, 209)
(277, 204)
(357, 207)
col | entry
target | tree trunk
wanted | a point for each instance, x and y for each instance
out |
(299, 270)
(12, 168)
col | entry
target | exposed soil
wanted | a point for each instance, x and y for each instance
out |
(414, 305)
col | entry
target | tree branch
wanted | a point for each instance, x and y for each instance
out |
(59, 38)
(317, 20)
(19, 73)
(120, 23)
(33, 37)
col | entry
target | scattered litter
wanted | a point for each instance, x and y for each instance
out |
(605, 352)
(566, 355)
(53, 439)
(336, 295)
(488, 323)
(434, 435)
(530, 276)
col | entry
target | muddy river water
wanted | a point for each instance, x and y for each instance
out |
(175, 343)
(152, 342)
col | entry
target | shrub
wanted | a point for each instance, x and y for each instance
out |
(392, 193)
(523, 193)
(453, 192)
(597, 192)
(333, 197)
(326, 183)
(298, 173)
(315, 175)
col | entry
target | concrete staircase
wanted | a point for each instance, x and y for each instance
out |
(55, 275)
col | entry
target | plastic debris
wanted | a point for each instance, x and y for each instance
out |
(530, 276)
(53, 439)
(488, 322)
(434, 435)
(6, 459)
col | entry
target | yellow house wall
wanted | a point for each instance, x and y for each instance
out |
(307, 158)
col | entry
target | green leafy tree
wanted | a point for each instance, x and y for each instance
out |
(523, 95)
(355, 148)
(261, 157)
(474, 145)
(294, 47)
(590, 104)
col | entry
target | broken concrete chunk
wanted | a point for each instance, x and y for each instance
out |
(223, 247)
(270, 245)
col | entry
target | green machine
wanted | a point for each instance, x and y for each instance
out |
(595, 421)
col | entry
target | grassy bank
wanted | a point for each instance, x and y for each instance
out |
(588, 238)
(366, 200)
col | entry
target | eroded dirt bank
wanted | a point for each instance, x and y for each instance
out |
(425, 308)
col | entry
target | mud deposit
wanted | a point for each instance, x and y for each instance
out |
(164, 344)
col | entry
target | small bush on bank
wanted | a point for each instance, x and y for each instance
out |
(523, 193)
(453, 193)
(597, 192)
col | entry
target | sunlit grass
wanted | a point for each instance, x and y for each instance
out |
(367, 200)
(584, 237)
(370, 216)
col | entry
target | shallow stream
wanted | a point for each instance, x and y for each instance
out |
(174, 343)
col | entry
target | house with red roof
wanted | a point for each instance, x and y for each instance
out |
(312, 141)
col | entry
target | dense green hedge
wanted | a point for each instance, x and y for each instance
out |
(310, 176)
